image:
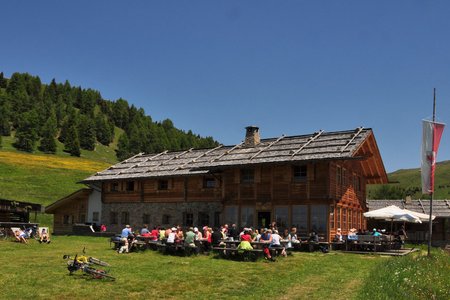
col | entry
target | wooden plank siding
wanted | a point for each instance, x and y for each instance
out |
(69, 214)
(348, 188)
(338, 184)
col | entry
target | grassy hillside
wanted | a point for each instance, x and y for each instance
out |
(409, 180)
(42, 178)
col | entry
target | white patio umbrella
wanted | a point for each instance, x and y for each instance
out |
(406, 217)
(384, 213)
(421, 216)
(395, 213)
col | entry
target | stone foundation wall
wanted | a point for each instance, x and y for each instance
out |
(156, 212)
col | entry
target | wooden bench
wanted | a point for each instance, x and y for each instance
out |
(238, 254)
(176, 249)
(312, 246)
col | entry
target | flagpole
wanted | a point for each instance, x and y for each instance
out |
(430, 220)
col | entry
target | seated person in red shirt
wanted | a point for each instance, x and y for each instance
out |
(155, 233)
(246, 239)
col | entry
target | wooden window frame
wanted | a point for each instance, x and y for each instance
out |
(115, 186)
(247, 176)
(299, 173)
(163, 184)
(130, 186)
(209, 182)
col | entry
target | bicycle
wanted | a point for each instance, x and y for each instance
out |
(85, 264)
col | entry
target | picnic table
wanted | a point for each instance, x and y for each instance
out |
(179, 248)
(369, 243)
(231, 247)
(238, 254)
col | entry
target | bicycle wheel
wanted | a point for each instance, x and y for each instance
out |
(98, 274)
(98, 262)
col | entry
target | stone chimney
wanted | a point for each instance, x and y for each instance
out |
(252, 136)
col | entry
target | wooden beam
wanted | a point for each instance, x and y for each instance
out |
(201, 155)
(310, 140)
(170, 159)
(360, 129)
(137, 165)
(268, 146)
(227, 152)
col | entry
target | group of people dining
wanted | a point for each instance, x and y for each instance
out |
(352, 235)
(207, 237)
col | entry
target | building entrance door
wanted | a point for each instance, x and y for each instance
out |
(263, 219)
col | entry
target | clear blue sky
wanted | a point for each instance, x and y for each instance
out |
(289, 67)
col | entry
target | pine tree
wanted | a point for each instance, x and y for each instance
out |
(86, 133)
(48, 141)
(102, 130)
(123, 147)
(120, 114)
(72, 144)
(5, 115)
(27, 132)
(3, 81)
(71, 119)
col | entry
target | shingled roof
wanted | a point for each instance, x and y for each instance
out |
(441, 208)
(340, 145)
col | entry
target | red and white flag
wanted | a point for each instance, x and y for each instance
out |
(431, 138)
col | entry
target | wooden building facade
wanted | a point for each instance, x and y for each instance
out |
(314, 182)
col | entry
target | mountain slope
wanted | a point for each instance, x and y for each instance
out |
(407, 182)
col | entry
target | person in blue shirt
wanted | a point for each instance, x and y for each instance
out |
(376, 233)
(145, 230)
(126, 233)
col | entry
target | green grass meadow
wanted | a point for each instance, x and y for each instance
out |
(37, 271)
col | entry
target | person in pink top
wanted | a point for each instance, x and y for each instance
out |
(207, 239)
(155, 233)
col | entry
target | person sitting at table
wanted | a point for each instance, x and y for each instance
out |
(172, 235)
(375, 232)
(207, 238)
(189, 240)
(168, 231)
(225, 229)
(223, 232)
(216, 237)
(313, 237)
(338, 236)
(266, 238)
(233, 233)
(162, 233)
(154, 233)
(144, 231)
(180, 235)
(256, 236)
(266, 235)
(245, 241)
(198, 234)
(287, 237)
(294, 237)
(126, 234)
(276, 242)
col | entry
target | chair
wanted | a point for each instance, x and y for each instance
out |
(19, 235)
